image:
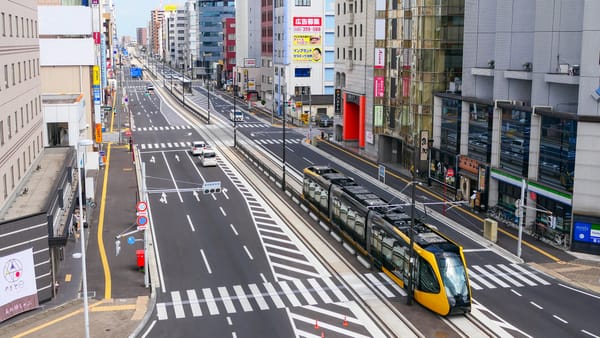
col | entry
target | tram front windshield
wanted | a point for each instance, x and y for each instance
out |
(453, 275)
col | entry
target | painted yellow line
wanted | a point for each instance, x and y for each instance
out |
(101, 249)
(530, 245)
(114, 308)
(68, 277)
(57, 320)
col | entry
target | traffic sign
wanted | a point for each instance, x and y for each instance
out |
(130, 240)
(211, 187)
(142, 222)
(142, 206)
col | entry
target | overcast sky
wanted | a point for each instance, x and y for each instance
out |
(132, 14)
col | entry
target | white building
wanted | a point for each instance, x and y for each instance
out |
(21, 122)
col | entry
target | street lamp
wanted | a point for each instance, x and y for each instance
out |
(83, 143)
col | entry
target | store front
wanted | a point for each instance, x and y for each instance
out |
(472, 182)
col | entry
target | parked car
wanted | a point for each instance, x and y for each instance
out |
(198, 147)
(324, 120)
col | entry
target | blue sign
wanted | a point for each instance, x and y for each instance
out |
(586, 232)
(142, 220)
(130, 240)
(96, 94)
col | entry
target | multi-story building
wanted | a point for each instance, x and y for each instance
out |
(142, 36)
(67, 67)
(354, 73)
(299, 57)
(211, 15)
(229, 49)
(177, 37)
(524, 127)
(21, 120)
(245, 39)
(157, 17)
(192, 38)
(266, 52)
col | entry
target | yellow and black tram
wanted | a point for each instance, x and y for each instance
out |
(381, 232)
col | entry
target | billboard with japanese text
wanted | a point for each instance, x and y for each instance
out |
(306, 39)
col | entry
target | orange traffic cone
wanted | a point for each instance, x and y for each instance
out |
(316, 324)
(345, 321)
(322, 334)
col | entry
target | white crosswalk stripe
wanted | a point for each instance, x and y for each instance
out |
(196, 310)
(260, 300)
(177, 305)
(239, 292)
(377, 283)
(210, 302)
(226, 300)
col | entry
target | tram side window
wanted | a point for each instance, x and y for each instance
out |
(400, 258)
(351, 218)
(323, 200)
(360, 225)
(311, 190)
(343, 213)
(376, 240)
(427, 280)
(386, 248)
(336, 208)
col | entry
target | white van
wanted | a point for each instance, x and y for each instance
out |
(236, 116)
(208, 158)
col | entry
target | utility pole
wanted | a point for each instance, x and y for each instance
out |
(234, 99)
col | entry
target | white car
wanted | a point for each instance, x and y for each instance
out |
(198, 147)
(208, 158)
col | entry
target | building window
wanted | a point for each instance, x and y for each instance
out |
(514, 142)
(3, 24)
(480, 131)
(451, 111)
(13, 74)
(6, 76)
(557, 152)
(16, 123)
(1, 132)
(5, 191)
(8, 124)
(302, 2)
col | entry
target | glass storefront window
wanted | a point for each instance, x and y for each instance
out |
(514, 143)
(451, 109)
(557, 152)
(480, 131)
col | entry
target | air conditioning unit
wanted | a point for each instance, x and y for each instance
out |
(491, 64)
(519, 103)
(527, 66)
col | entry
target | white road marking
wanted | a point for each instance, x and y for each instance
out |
(205, 262)
(243, 299)
(304, 292)
(274, 295)
(195, 305)
(233, 228)
(229, 307)
(248, 253)
(190, 222)
(161, 311)
(287, 291)
(177, 305)
(260, 300)
(210, 302)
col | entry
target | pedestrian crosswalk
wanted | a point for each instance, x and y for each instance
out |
(185, 127)
(188, 145)
(317, 291)
(161, 128)
(492, 276)
(252, 297)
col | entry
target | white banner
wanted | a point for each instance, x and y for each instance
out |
(18, 290)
